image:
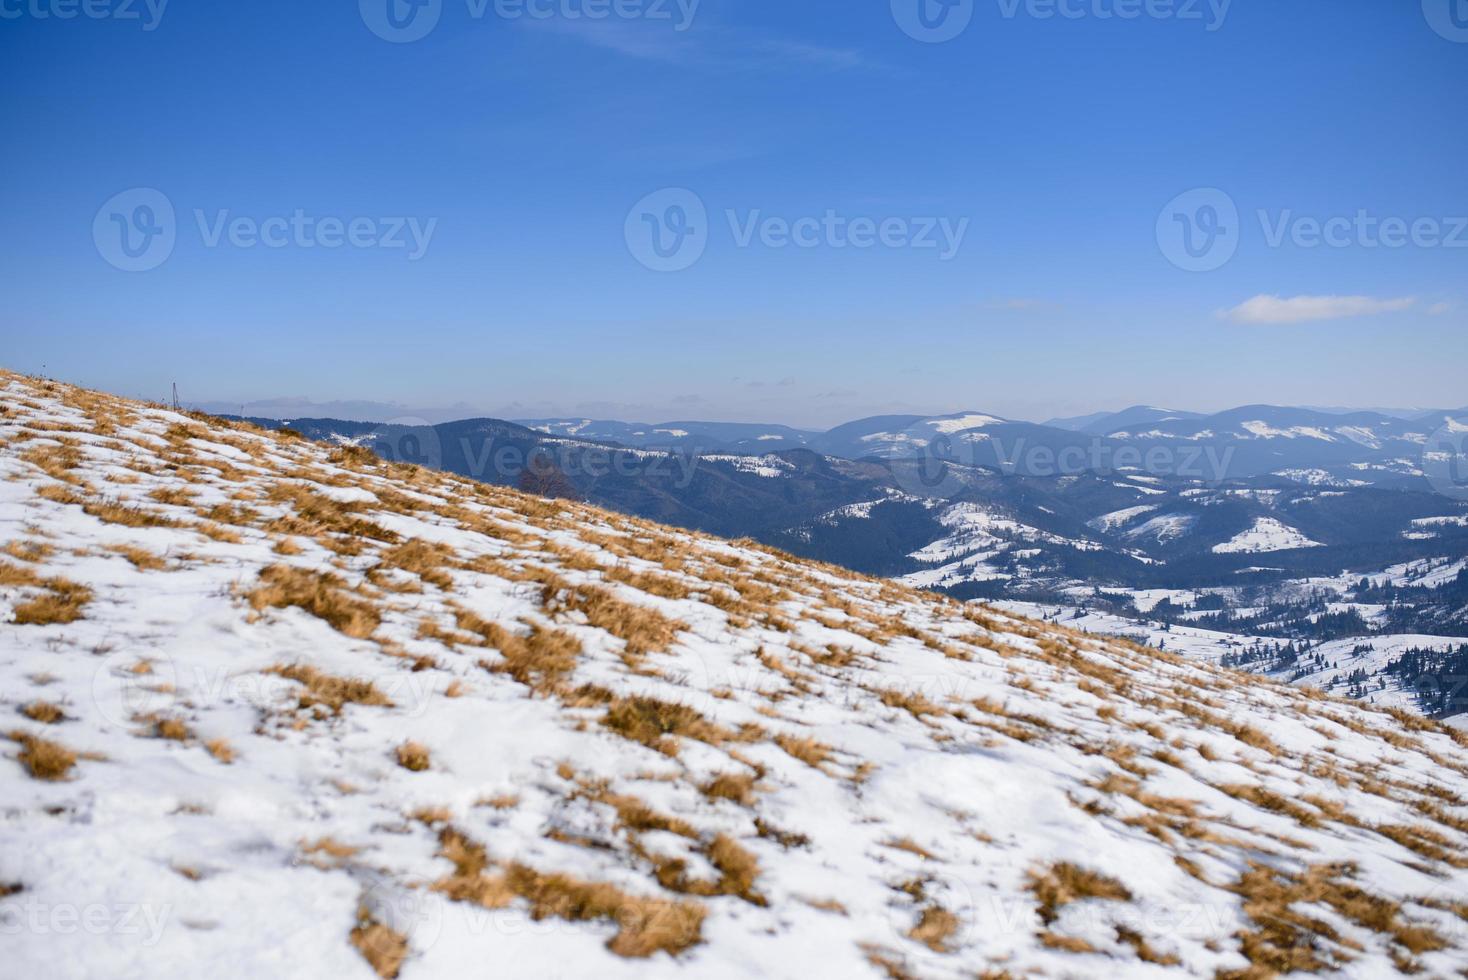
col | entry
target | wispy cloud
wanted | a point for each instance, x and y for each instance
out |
(815, 55)
(703, 47)
(1264, 309)
(1438, 309)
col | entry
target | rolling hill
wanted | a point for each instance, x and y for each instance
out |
(285, 708)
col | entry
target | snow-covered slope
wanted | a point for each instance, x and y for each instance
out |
(282, 710)
(1266, 534)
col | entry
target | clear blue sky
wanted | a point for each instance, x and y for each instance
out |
(1060, 140)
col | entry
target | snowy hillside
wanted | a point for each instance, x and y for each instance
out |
(285, 710)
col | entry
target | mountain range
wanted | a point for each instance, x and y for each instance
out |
(1241, 442)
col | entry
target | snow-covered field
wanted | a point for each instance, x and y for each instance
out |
(281, 710)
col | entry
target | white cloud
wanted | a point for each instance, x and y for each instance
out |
(1438, 309)
(1300, 309)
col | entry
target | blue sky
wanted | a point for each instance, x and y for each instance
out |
(519, 146)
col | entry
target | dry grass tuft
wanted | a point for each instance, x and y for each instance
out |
(738, 787)
(116, 512)
(44, 712)
(383, 948)
(934, 928)
(318, 516)
(43, 759)
(738, 869)
(173, 729)
(910, 846)
(220, 749)
(141, 558)
(643, 630)
(807, 750)
(413, 756)
(645, 925)
(62, 603)
(651, 722)
(540, 660)
(329, 691)
(322, 595)
(502, 801)
(424, 559)
(29, 551)
(1064, 883)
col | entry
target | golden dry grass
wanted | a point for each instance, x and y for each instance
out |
(540, 660)
(330, 691)
(314, 515)
(654, 723)
(644, 925)
(383, 948)
(1063, 883)
(43, 759)
(141, 558)
(62, 603)
(44, 712)
(321, 594)
(934, 928)
(29, 551)
(413, 756)
(172, 729)
(642, 629)
(807, 750)
(738, 787)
